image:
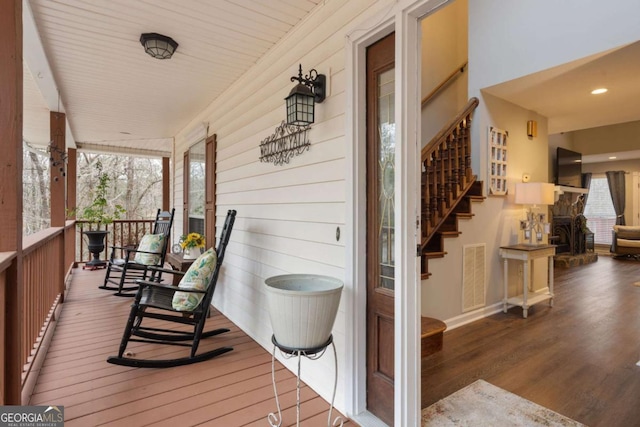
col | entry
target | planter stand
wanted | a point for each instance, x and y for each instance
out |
(311, 354)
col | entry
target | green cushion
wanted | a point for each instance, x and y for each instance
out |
(197, 277)
(150, 243)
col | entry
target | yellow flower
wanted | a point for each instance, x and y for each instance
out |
(192, 240)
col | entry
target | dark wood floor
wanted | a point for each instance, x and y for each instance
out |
(577, 358)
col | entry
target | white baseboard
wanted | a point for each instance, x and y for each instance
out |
(472, 316)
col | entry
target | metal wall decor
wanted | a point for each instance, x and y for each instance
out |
(497, 161)
(287, 141)
(57, 156)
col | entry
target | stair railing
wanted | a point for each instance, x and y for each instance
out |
(446, 170)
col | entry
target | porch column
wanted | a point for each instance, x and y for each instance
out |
(57, 170)
(166, 174)
(72, 171)
(11, 303)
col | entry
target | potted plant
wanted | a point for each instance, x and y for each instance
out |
(192, 245)
(98, 214)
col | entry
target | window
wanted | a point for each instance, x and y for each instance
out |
(601, 217)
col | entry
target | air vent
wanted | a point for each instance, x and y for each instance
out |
(473, 276)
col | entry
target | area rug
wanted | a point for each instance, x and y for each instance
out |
(483, 404)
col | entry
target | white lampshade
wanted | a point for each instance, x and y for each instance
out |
(534, 193)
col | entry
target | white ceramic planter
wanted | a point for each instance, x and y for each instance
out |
(303, 308)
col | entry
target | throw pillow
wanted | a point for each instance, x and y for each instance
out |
(150, 243)
(197, 277)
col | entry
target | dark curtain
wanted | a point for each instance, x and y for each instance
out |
(615, 179)
(586, 183)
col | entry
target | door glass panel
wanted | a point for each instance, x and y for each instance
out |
(196, 187)
(386, 177)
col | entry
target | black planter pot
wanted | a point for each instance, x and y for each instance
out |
(96, 245)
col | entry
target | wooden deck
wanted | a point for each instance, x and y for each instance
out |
(234, 389)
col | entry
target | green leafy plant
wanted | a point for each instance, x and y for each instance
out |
(100, 212)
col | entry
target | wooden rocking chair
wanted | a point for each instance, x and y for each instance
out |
(162, 301)
(137, 261)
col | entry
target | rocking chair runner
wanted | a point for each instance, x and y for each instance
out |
(137, 261)
(158, 301)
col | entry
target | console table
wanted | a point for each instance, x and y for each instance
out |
(526, 254)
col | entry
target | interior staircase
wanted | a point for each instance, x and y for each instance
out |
(448, 191)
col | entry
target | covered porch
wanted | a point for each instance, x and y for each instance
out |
(234, 389)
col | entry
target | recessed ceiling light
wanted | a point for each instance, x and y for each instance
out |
(612, 158)
(599, 91)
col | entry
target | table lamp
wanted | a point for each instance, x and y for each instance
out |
(534, 194)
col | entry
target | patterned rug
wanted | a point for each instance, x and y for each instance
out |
(483, 404)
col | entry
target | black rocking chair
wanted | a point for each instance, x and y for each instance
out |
(154, 300)
(125, 271)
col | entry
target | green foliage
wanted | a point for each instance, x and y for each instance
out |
(100, 211)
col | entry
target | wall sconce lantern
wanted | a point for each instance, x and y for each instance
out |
(532, 129)
(302, 98)
(158, 46)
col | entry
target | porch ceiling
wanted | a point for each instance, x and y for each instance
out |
(114, 94)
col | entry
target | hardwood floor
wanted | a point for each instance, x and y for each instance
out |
(234, 389)
(577, 358)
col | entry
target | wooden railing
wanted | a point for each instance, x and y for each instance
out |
(43, 282)
(446, 170)
(449, 79)
(6, 260)
(121, 233)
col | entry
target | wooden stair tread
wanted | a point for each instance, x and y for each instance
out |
(449, 233)
(431, 336)
(432, 255)
(430, 326)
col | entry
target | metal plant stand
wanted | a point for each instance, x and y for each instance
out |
(311, 354)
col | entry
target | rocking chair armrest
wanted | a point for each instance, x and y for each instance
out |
(166, 270)
(129, 250)
(148, 284)
(173, 288)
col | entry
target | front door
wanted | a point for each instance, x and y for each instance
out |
(380, 227)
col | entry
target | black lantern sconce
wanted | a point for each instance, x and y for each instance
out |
(301, 100)
(158, 46)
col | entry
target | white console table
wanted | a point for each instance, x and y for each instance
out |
(526, 254)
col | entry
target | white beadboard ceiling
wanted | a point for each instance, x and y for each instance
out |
(114, 94)
(119, 98)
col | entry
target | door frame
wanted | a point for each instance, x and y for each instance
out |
(404, 18)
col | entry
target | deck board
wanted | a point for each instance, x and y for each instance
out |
(234, 389)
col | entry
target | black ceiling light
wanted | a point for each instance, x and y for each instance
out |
(158, 46)
(300, 102)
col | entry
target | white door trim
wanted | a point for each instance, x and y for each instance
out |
(404, 17)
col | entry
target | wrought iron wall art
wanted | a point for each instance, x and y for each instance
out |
(57, 157)
(287, 141)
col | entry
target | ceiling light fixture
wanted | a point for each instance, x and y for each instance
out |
(599, 91)
(158, 46)
(612, 158)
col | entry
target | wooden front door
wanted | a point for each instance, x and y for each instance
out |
(380, 227)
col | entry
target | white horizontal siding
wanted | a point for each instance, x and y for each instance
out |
(287, 215)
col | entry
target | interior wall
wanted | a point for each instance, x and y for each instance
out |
(444, 48)
(495, 221)
(510, 39)
(607, 139)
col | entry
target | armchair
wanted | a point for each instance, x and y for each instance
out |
(625, 241)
